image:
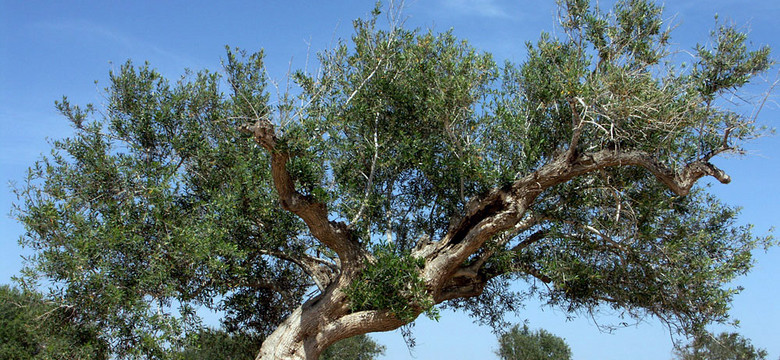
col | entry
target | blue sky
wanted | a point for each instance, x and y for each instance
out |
(50, 49)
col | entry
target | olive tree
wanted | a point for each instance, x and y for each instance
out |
(410, 172)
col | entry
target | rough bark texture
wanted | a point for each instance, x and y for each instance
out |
(325, 319)
(319, 323)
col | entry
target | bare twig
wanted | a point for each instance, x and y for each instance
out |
(370, 177)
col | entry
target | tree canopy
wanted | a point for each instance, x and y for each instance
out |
(410, 172)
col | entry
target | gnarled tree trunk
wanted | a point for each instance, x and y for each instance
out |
(319, 323)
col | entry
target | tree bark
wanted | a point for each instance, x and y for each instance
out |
(319, 323)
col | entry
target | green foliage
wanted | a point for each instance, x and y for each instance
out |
(729, 65)
(32, 327)
(391, 116)
(158, 207)
(359, 347)
(393, 283)
(616, 237)
(524, 344)
(590, 267)
(724, 346)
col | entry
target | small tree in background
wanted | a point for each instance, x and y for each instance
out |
(523, 344)
(724, 346)
(220, 344)
(361, 347)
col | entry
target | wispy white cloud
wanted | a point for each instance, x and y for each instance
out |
(114, 40)
(482, 8)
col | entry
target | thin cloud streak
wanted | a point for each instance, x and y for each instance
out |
(123, 43)
(482, 8)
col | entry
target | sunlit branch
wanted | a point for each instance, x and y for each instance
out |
(504, 238)
(370, 177)
(335, 235)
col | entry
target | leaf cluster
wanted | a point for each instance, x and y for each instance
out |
(393, 283)
(617, 237)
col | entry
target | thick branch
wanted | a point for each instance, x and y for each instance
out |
(679, 182)
(530, 240)
(503, 208)
(506, 237)
(360, 323)
(459, 288)
(334, 235)
(471, 280)
(468, 283)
